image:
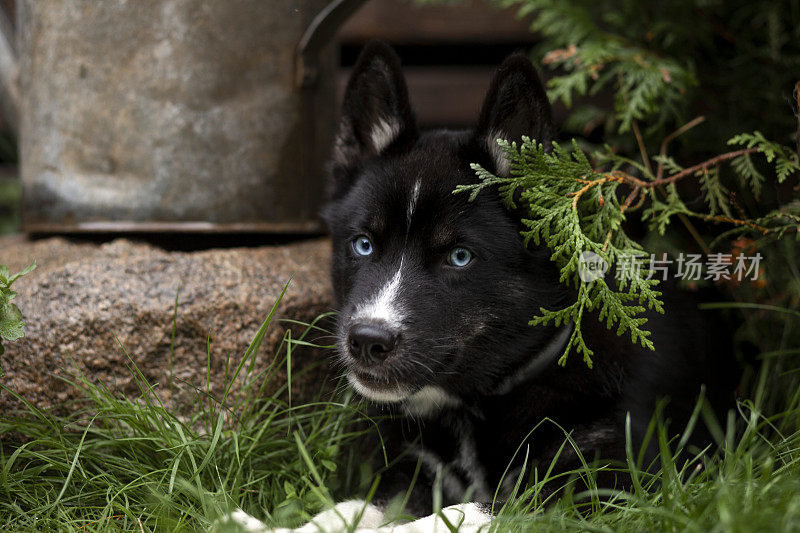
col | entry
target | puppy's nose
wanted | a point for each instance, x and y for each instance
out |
(370, 343)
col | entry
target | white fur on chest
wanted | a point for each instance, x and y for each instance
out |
(429, 401)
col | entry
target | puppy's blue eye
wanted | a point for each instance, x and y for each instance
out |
(459, 257)
(362, 245)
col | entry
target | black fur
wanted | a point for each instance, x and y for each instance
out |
(465, 330)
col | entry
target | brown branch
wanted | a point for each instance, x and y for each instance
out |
(702, 166)
(658, 182)
(611, 176)
(669, 138)
(637, 185)
(633, 181)
(730, 220)
(631, 197)
(642, 150)
(640, 203)
(636, 182)
(607, 241)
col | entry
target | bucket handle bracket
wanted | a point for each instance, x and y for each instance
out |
(318, 34)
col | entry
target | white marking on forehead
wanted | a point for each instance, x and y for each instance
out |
(412, 204)
(383, 306)
(428, 401)
(498, 155)
(392, 396)
(384, 133)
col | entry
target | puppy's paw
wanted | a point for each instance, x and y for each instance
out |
(464, 518)
(343, 516)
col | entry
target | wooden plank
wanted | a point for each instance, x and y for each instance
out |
(404, 22)
(443, 96)
(449, 96)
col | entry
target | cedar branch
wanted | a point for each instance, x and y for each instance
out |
(701, 166)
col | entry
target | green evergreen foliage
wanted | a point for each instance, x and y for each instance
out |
(665, 62)
(786, 161)
(572, 209)
(633, 73)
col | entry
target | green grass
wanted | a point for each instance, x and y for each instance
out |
(750, 483)
(135, 465)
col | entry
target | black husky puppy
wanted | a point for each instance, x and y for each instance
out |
(435, 293)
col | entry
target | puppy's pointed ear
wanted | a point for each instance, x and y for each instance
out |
(376, 112)
(515, 105)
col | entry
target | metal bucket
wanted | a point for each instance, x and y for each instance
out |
(172, 115)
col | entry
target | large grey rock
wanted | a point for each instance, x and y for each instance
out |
(84, 296)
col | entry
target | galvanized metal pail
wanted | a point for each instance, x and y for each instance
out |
(172, 115)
